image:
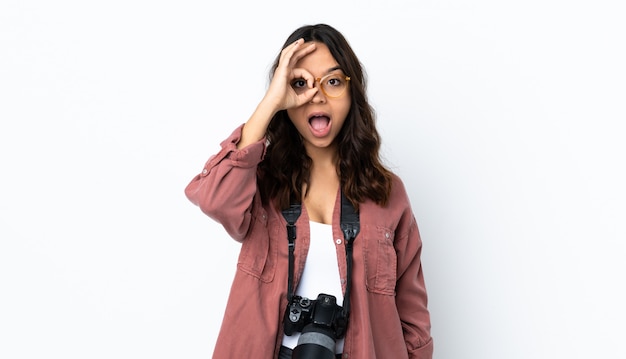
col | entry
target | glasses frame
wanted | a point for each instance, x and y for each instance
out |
(319, 80)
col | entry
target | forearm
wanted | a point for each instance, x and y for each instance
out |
(226, 187)
(255, 128)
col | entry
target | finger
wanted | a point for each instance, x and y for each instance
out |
(288, 51)
(307, 96)
(300, 52)
(291, 54)
(300, 73)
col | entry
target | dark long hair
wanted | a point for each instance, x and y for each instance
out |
(286, 166)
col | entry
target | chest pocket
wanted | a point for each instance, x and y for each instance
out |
(380, 259)
(258, 255)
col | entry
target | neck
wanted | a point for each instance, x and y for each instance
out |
(322, 157)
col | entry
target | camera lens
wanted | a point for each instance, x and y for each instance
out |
(315, 343)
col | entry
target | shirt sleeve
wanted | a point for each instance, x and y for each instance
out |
(226, 187)
(411, 296)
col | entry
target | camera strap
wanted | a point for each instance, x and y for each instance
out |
(291, 215)
(350, 226)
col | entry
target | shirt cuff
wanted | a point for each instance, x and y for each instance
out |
(249, 156)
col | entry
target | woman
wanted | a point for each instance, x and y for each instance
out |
(310, 143)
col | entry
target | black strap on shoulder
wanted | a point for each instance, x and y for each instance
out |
(291, 215)
(350, 226)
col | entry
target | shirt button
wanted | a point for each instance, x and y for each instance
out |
(387, 235)
(338, 241)
(205, 171)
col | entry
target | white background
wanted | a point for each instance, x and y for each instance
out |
(504, 118)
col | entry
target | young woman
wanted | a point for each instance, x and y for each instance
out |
(310, 288)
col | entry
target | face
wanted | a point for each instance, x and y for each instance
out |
(320, 120)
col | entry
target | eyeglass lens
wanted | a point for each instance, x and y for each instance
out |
(333, 85)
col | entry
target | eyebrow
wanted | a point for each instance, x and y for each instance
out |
(333, 69)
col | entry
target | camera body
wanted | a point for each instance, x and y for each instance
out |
(322, 312)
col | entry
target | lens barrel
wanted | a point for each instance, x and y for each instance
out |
(315, 343)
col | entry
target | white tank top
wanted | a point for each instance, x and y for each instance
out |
(320, 274)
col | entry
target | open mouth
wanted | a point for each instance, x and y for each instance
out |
(320, 125)
(319, 122)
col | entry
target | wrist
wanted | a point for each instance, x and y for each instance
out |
(269, 106)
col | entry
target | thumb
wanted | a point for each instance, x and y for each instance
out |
(307, 95)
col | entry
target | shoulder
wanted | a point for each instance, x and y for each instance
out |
(396, 212)
(400, 205)
(398, 196)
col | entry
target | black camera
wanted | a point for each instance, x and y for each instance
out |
(321, 322)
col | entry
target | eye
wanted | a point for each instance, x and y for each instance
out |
(298, 84)
(335, 81)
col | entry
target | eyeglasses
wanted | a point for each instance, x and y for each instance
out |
(332, 85)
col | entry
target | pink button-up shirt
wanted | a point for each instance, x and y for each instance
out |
(389, 317)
